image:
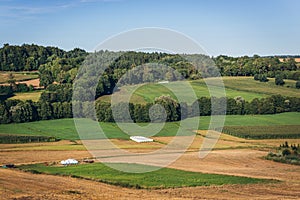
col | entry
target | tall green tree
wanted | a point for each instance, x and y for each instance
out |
(171, 106)
(279, 80)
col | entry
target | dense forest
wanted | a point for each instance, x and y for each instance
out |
(31, 57)
(58, 69)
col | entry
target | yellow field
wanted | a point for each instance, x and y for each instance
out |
(18, 76)
(34, 96)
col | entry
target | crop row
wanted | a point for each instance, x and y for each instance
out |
(264, 132)
(12, 139)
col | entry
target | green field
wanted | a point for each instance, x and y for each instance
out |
(33, 95)
(234, 86)
(264, 132)
(248, 84)
(162, 178)
(65, 128)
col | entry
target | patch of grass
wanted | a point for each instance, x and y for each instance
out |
(248, 84)
(290, 159)
(246, 87)
(34, 95)
(148, 92)
(60, 128)
(289, 118)
(65, 128)
(264, 132)
(162, 178)
(286, 153)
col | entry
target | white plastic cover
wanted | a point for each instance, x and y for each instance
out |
(69, 162)
(141, 139)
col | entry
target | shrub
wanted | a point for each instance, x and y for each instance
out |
(21, 87)
(15, 139)
(263, 78)
(286, 152)
(279, 80)
(298, 84)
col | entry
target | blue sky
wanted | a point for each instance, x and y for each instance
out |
(231, 27)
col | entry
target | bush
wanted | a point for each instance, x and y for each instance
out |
(19, 139)
(5, 90)
(286, 152)
(263, 78)
(293, 75)
(298, 84)
(21, 87)
(279, 80)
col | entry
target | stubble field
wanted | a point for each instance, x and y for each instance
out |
(231, 156)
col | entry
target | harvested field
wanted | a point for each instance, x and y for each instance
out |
(34, 82)
(36, 156)
(231, 142)
(21, 185)
(240, 162)
(297, 60)
(32, 186)
(230, 157)
(18, 76)
(41, 152)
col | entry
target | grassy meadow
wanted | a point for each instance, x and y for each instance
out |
(65, 128)
(23, 96)
(246, 87)
(162, 178)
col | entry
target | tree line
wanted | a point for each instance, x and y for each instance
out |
(30, 57)
(250, 66)
(16, 111)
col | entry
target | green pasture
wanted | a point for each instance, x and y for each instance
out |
(65, 128)
(162, 178)
(186, 91)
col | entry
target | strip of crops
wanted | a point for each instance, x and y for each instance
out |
(13, 139)
(162, 178)
(264, 132)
